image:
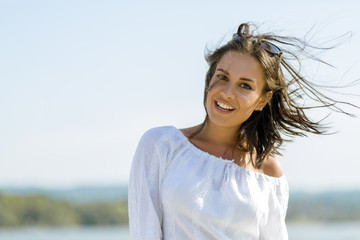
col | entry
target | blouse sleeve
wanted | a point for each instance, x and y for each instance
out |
(145, 210)
(275, 227)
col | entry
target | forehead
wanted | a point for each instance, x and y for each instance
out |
(242, 65)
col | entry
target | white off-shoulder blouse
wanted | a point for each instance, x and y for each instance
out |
(177, 191)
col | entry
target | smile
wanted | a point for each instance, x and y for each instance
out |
(224, 107)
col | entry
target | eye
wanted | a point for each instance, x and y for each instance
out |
(221, 77)
(245, 86)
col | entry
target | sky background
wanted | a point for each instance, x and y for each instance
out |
(81, 81)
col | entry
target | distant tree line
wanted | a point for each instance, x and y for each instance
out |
(324, 206)
(40, 210)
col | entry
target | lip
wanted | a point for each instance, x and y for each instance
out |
(221, 110)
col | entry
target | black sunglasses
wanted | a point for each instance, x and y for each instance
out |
(268, 46)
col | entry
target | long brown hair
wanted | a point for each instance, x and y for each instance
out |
(263, 133)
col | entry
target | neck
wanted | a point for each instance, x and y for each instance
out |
(216, 134)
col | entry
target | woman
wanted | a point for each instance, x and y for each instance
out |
(220, 179)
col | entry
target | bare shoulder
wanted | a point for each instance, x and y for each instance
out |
(272, 167)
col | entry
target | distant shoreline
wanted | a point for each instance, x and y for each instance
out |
(107, 206)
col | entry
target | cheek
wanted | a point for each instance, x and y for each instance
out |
(209, 99)
(212, 92)
(248, 101)
(210, 96)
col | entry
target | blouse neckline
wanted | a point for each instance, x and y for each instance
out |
(226, 161)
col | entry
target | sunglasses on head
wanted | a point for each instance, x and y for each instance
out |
(268, 46)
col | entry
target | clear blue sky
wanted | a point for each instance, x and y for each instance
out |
(80, 81)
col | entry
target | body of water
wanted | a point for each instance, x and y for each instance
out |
(88, 233)
(297, 231)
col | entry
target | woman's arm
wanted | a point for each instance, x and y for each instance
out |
(274, 227)
(145, 210)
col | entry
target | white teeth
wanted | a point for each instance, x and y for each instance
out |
(222, 105)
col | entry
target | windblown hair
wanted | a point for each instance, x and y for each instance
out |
(263, 133)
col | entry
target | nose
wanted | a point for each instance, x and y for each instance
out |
(228, 91)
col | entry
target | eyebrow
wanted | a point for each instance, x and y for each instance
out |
(227, 73)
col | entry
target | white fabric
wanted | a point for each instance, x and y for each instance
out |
(177, 191)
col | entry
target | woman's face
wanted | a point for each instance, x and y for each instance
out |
(236, 90)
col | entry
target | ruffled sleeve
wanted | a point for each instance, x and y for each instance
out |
(145, 209)
(274, 226)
